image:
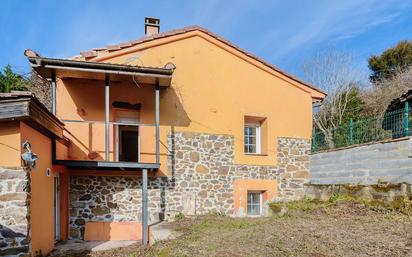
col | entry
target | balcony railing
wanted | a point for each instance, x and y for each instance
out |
(128, 142)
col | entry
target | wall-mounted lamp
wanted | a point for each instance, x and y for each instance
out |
(29, 157)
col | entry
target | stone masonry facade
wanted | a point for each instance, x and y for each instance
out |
(200, 181)
(14, 212)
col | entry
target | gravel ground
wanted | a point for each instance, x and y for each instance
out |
(343, 229)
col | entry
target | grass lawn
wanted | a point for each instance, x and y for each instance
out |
(339, 228)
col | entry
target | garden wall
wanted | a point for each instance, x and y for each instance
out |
(379, 162)
(383, 193)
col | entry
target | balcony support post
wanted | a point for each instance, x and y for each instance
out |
(157, 123)
(107, 118)
(145, 226)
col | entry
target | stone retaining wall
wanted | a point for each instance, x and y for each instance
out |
(202, 173)
(14, 212)
(385, 193)
(387, 162)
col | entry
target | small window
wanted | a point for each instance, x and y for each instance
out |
(252, 138)
(254, 203)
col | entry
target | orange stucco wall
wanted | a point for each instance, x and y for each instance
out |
(242, 186)
(97, 231)
(10, 148)
(213, 89)
(42, 196)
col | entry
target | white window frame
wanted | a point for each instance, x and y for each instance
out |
(260, 203)
(257, 126)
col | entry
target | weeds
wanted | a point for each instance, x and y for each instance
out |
(398, 204)
(305, 204)
(217, 213)
(179, 216)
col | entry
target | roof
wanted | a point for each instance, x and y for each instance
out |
(398, 103)
(95, 52)
(98, 70)
(24, 106)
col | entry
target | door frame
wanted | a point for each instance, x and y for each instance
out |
(126, 116)
(56, 190)
(117, 148)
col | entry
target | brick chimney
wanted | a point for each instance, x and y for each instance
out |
(151, 26)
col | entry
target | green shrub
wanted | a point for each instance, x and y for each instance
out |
(179, 216)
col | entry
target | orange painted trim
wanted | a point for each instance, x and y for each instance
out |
(269, 189)
(102, 231)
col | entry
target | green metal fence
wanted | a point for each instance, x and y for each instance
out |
(394, 124)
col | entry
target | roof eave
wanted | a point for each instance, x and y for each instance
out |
(47, 66)
(104, 67)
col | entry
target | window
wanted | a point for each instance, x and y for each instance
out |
(252, 138)
(254, 203)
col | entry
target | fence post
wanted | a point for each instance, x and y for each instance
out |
(350, 131)
(314, 139)
(406, 118)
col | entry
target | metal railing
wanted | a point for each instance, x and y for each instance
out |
(394, 124)
(90, 136)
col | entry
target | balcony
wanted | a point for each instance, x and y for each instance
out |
(103, 141)
(131, 146)
(109, 143)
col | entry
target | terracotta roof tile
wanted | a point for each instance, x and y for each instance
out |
(125, 44)
(113, 47)
(88, 54)
(99, 48)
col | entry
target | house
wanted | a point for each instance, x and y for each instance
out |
(397, 116)
(176, 122)
(27, 189)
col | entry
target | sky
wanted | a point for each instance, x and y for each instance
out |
(284, 33)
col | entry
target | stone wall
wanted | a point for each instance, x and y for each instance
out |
(111, 198)
(373, 163)
(204, 166)
(14, 212)
(384, 193)
(202, 173)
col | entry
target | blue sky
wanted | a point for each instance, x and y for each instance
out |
(285, 33)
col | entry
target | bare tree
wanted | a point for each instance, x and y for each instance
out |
(382, 92)
(334, 72)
